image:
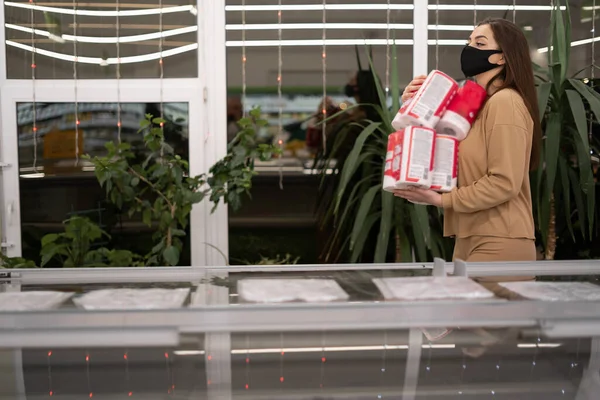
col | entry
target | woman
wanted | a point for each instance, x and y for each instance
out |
(490, 213)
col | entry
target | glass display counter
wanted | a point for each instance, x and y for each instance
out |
(216, 345)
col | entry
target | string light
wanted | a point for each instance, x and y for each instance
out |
(323, 361)
(244, 59)
(593, 66)
(33, 76)
(247, 362)
(324, 77)
(118, 31)
(387, 50)
(474, 12)
(280, 98)
(170, 384)
(514, 11)
(383, 363)
(88, 375)
(437, 35)
(162, 75)
(75, 83)
(127, 381)
(281, 377)
(463, 370)
(49, 362)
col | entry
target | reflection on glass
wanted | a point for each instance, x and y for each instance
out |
(98, 36)
(55, 185)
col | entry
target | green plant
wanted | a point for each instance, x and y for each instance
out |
(15, 262)
(566, 174)
(161, 190)
(75, 247)
(360, 209)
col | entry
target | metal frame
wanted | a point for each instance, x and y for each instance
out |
(82, 327)
(205, 118)
(196, 274)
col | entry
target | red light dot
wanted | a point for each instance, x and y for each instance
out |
(166, 355)
(283, 352)
(209, 358)
(173, 387)
(247, 386)
(321, 385)
(91, 395)
(160, 61)
(33, 66)
(247, 361)
(324, 55)
(125, 356)
(281, 379)
(324, 111)
(209, 382)
(323, 359)
(130, 394)
(51, 393)
(119, 124)
(87, 358)
(35, 128)
(162, 124)
(77, 122)
(49, 353)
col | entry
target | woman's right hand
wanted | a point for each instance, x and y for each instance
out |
(413, 87)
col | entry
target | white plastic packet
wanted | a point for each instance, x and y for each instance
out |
(428, 104)
(431, 288)
(132, 299)
(444, 176)
(288, 290)
(554, 291)
(32, 301)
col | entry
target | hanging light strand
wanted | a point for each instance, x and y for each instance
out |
(437, 34)
(280, 96)
(593, 64)
(244, 59)
(323, 362)
(324, 67)
(49, 362)
(247, 370)
(514, 14)
(118, 32)
(474, 13)
(75, 82)
(34, 105)
(88, 375)
(383, 365)
(387, 50)
(161, 74)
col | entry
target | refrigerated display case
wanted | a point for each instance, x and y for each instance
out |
(216, 346)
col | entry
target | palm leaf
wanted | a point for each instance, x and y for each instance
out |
(387, 214)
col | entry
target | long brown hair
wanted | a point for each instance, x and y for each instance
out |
(517, 74)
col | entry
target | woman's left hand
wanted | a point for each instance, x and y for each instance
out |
(417, 195)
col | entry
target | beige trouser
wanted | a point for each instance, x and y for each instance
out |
(488, 248)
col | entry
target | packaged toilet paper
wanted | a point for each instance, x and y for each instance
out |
(444, 176)
(416, 157)
(462, 110)
(428, 104)
(391, 172)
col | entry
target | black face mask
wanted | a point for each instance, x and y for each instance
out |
(474, 61)
(350, 90)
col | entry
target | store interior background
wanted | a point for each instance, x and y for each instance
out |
(274, 223)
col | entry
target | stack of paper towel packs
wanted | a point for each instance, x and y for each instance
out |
(554, 291)
(290, 290)
(431, 288)
(32, 301)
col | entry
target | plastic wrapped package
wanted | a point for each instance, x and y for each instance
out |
(428, 104)
(416, 157)
(554, 291)
(462, 110)
(32, 301)
(444, 176)
(431, 288)
(136, 299)
(391, 172)
(289, 290)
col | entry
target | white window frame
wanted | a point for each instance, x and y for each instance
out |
(205, 95)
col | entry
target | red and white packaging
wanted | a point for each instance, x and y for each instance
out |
(391, 173)
(416, 161)
(445, 163)
(428, 104)
(462, 110)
